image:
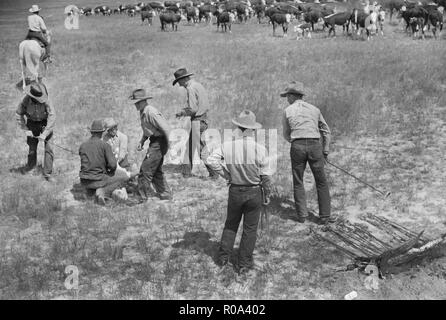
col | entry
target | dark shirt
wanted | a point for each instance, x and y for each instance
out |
(97, 159)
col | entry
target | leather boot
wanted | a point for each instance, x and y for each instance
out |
(226, 246)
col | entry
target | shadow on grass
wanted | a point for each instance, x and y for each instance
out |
(199, 241)
(284, 208)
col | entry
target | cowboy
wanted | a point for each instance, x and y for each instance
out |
(303, 126)
(196, 109)
(98, 165)
(36, 116)
(37, 28)
(118, 141)
(244, 164)
(157, 130)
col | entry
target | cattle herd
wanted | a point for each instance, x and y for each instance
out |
(419, 17)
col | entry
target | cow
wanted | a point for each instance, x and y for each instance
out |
(242, 12)
(283, 19)
(122, 8)
(312, 17)
(417, 24)
(416, 12)
(147, 13)
(170, 3)
(158, 6)
(192, 14)
(435, 18)
(169, 18)
(259, 10)
(340, 19)
(106, 11)
(86, 11)
(225, 19)
(97, 10)
(131, 12)
(360, 21)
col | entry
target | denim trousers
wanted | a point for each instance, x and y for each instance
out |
(303, 151)
(37, 127)
(151, 167)
(243, 202)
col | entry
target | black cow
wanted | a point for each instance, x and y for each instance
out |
(283, 19)
(358, 20)
(312, 17)
(259, 10)
(169, 18)
(173, 9)
(87, 11)
(147, 13)
(170, 3)
(435, 18)
(192, 14)
(224, 19)
(340, 19)
(417, 24)
(158, 6)
(416, 12)
(242, 12)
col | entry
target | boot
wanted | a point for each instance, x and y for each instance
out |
(145, 190)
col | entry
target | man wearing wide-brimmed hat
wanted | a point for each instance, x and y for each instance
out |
(98, 165)
(118, 141)
(36, 29)
(156, 130)
(244, 164)
(304, 126)
(197, 106)
(36, 116)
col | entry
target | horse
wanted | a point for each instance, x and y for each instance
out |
(30, 54)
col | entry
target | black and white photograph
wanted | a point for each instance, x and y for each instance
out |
(222, 150)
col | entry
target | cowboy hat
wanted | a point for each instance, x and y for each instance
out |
(247, 120)
(180, 74)
(97, 126)
(139, 94)
(294, 87)
(37, 91)
(34, 8)
(110, 123)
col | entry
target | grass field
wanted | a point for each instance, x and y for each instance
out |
(387, 94)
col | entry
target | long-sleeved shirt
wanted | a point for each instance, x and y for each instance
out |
(119, 144)
(36, 23)
(242, 161)
(196, 98)
(153, 123)
(97, 159)
(303, 120)
(35, 111)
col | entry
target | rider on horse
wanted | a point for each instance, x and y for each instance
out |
(36, 30)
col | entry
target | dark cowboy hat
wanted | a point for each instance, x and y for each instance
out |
(139, 94)
(97, 126)
(247, 119)
(180, 74)
(294, 87)
(37, 91)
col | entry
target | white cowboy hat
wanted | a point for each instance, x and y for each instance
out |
(247, 119)
(34, 8)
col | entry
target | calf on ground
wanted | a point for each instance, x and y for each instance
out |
(301, 29)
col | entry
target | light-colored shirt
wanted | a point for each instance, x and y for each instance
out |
(35, 111)
(153, 123)
(303, 120)
(197, 98)
(36, 23)
(242, 161)
(119, 145)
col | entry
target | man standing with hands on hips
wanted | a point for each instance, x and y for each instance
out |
(156, 130)
(303, 126)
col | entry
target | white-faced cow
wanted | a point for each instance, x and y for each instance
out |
(282, 19)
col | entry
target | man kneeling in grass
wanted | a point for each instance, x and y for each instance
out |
(98, 165)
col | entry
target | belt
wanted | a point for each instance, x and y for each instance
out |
(305, 139)
(245, 185)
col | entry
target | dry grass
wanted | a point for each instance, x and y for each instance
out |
(388, 92)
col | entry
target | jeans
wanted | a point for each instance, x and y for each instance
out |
(303, 151)
(193, 146)
(151, 168)
(37, 127)
(107, 184)
(246, 202)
